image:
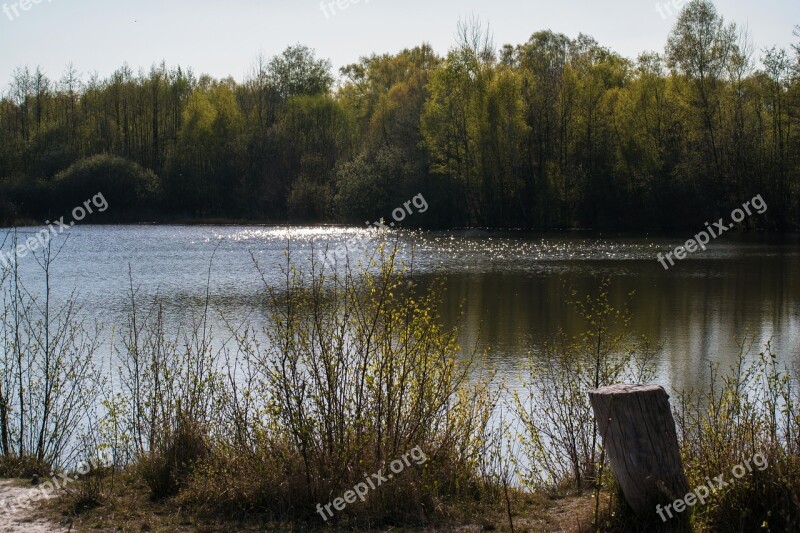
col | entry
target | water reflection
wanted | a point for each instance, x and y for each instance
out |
(697, 311)
(513, 287)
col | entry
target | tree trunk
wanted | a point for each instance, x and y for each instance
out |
(638, 431)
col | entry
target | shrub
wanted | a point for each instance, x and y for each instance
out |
(167, 468)
(751, 410)
(558, 427)
(363, 188)
(22, 197)
(356, 372)
(125, 184)
(27, 466)
(48, 382)
(308, 200)
(238, 482)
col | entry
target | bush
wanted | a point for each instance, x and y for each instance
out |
(22, 197)
(125, 184)
(166, 469)
(237, 482)
(309, 201)
(363, 189)
(752, 410)
(16, 467)
(558, 428)
(357, 372)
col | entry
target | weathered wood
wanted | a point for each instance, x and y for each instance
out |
(638, 431)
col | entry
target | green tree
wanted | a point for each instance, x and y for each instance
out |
(453, 117)
(204, 175)
(312, 135)
(297, 72)
(700, 48)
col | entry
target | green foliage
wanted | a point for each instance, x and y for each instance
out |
(555, 132)
(309, 154)
(309, 201)
(751, 410)
(297, 72)
(365, 185)
(204, 170)
(452, 124)
(356, 373)
(124, 184)
(20, 196)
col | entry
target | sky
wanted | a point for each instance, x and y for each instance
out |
(223, 38)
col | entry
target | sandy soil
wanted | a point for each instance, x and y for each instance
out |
(19, 519)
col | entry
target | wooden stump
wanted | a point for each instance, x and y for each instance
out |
(638, 432)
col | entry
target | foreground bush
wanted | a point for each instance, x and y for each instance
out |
(558, 430)
(356, 372)
(28, 466)
(48, 382)
(166, 469)
(752, 410)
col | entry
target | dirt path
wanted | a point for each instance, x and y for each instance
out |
(18, 519)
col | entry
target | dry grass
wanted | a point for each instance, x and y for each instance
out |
(128, 507)
(15, 467)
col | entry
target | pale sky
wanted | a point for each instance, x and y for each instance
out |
(223, 38)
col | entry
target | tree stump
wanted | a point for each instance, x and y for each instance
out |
(638, 432)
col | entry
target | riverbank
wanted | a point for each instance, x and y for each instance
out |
(129, 508)
(355, 405)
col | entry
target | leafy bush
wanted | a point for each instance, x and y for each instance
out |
(160, 421)
(752, 410)
(125, 184)
(24, 197)
(356, 373)
(364, 186)
(309, 201)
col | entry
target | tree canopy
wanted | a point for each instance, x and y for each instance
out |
(555, 132)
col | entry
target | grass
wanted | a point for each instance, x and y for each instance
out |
(26, 467)
(128, 507)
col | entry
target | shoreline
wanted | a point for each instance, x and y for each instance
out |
(591, 232)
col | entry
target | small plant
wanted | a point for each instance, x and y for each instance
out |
(752, 410)
(25, 467)
(558, 428)
(167, 468)
(48, 381)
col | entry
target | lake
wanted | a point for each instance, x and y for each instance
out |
(513, 286)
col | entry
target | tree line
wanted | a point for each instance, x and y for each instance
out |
(552, 133)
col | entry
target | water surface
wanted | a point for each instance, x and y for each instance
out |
(507, 290)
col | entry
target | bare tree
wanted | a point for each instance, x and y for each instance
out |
(472, 37)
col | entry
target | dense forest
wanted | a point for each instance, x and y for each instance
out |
(553, 133)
